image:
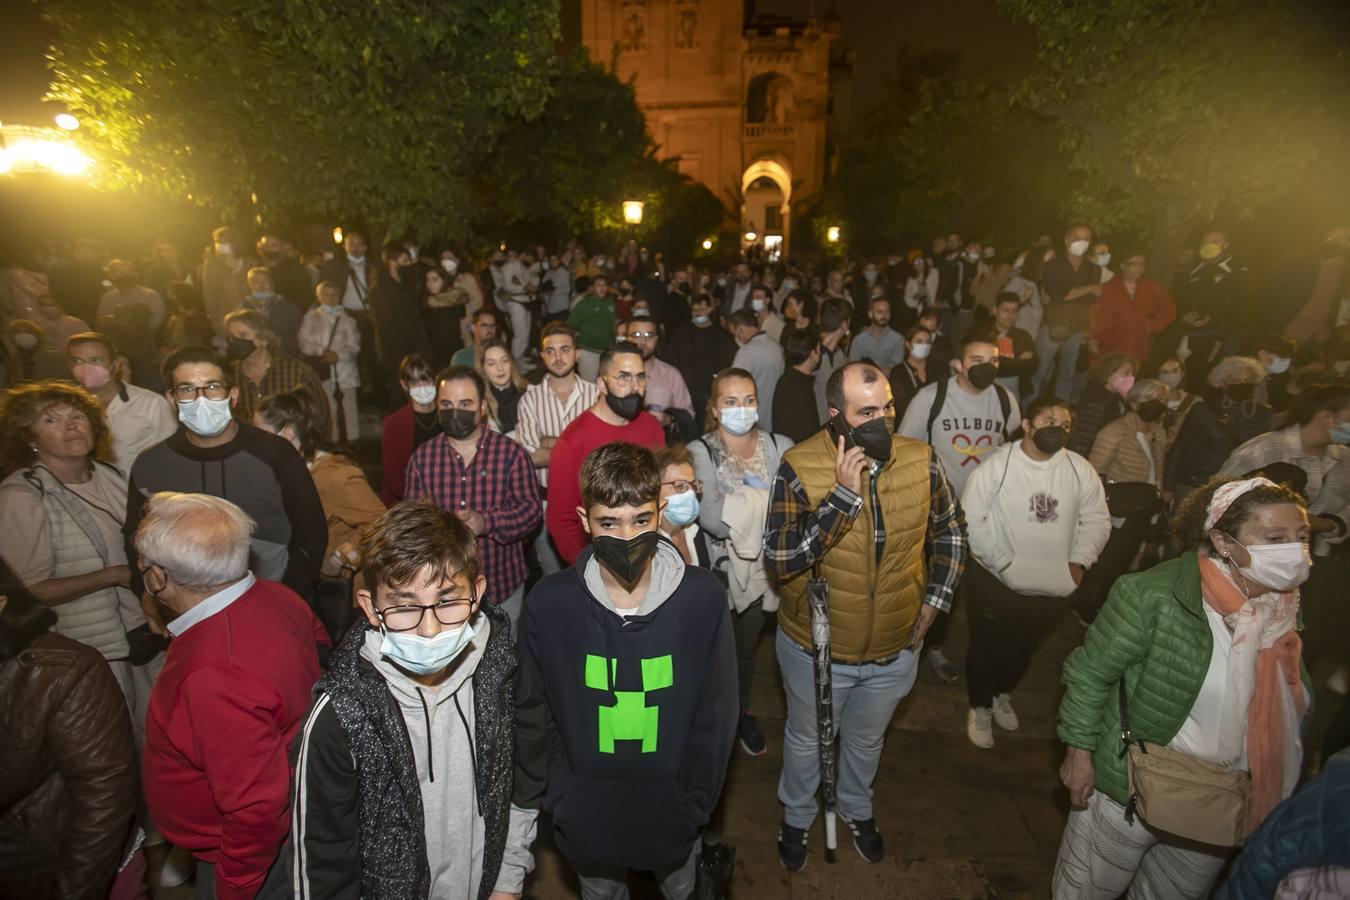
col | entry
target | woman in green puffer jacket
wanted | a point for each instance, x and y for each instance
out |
(1207, 647)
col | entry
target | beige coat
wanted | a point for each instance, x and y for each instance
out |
(1118, 456)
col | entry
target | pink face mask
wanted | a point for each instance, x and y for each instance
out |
(91, 376)
(1120, 384)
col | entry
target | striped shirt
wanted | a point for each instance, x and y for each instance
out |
(541, 414)
(797, 535)
(498, 484)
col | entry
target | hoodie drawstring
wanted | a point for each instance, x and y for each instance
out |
(473, 759)
(426, 717)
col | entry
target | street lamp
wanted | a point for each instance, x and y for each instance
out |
(337, 234)
(832, 234)
(632, 212)
(707, 243)
(750, 237)
(67, 121)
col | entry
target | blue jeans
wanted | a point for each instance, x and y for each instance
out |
(1067, 353)
(865, 698)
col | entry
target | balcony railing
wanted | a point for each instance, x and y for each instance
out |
(768, 131)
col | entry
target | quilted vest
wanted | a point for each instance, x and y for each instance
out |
(873, 605)
(77, 548)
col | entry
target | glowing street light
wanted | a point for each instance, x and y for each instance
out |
(632, 212)
(29, 153)
(337, 234)
(832, 234)
(707, 243)
(750, 236)
(67, 121)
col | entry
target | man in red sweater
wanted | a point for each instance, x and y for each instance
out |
(616, 416)
(235, 685)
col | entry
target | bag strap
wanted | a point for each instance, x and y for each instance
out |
(1126, 739)
(939, 400)
(1126, 736)
(1005, 404)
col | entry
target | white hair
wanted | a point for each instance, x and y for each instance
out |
(201, 541)
(1237, 370)
(1146, 389)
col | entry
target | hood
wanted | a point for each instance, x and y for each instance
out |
(668, 568)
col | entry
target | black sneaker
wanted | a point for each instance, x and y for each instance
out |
(866, 839)
(750, 737)
(792, 847)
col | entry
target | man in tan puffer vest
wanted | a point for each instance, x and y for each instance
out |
(860, 504)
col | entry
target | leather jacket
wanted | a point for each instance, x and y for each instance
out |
(68, 793)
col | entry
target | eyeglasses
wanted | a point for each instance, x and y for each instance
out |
(407, 618)
(186, 393)
(641, 334)
(628, 379)
(680, 486)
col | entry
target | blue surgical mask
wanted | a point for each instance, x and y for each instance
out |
(738, 419)
(682, 509)
(1340, 434)
(204, 417)
(700, 321)
(425, 655)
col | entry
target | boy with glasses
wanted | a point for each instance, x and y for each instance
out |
(214, 453)
(635, 649)
(420, 765)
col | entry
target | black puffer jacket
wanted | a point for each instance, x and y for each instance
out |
(368, 841)
(68, 790)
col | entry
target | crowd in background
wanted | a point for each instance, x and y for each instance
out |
(1048, 421)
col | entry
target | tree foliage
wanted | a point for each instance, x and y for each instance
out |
(1173, 111)
(383, 109)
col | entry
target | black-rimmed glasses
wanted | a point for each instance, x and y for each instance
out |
(407, 618)
(186, 393)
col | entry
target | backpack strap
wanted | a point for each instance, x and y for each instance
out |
(1005, 404)
(939, 400)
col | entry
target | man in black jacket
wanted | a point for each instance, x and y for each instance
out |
(213, 453)
(636, 653)
(420, 766)
(700, 350)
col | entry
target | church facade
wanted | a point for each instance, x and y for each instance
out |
(741, 101)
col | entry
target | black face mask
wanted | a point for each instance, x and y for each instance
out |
(874, 436)
(1240, 393)
(626, 559)
(1151, 410)
(239, 348)
(684, 289)
(458, 423)
(626, 408)
(1050, 439)
(982, 375)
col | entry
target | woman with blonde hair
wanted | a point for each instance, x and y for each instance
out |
(505, 384)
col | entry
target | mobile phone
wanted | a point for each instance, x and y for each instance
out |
(839, 428)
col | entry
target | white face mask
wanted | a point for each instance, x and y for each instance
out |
(423, 394)
(425, 655)
(204, 417)
(224, 249)
(920, 351)
(450, 266)
(1102, 259)
(1171, 379)
(1078, 248)
(1280, 566)
(738, 419)
(1278, 366)
(756, 304)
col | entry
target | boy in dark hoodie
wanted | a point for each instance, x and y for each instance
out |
(637, 662)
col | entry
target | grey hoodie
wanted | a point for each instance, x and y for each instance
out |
(440, 723)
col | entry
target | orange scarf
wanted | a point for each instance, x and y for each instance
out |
(1265, 738)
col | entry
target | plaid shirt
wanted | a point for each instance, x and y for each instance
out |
(797, 535)
(498, 484)
(284, 374)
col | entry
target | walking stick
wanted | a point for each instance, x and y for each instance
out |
(818, 598)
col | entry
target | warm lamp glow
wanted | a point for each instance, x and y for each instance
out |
(632, 212)
(751, 236)
(707, 243)
(67, 121)
(832, 234)
(337, 235)
(39, 153)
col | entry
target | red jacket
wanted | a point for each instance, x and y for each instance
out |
(1120, 323)
(234, 688)
(396, 445)
(586, 433)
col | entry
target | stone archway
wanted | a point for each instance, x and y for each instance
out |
(768, 210)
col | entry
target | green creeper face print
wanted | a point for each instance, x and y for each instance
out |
(630, 718)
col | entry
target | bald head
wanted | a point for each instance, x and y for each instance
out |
(860, 391)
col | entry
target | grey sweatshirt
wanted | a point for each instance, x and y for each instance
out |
(966, 431)
(441, 736)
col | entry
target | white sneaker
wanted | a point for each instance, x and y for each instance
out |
(980, 727)
(179, 866)
(1339, 682)
(1004, 717)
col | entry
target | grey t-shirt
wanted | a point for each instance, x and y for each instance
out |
(967, 429)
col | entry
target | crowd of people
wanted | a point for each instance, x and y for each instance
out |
(326, 576)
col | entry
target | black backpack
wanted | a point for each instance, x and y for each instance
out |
(940, 400)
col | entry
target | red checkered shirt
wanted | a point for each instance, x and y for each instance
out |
(499, 484)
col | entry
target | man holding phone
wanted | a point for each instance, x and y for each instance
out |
(863, 506)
